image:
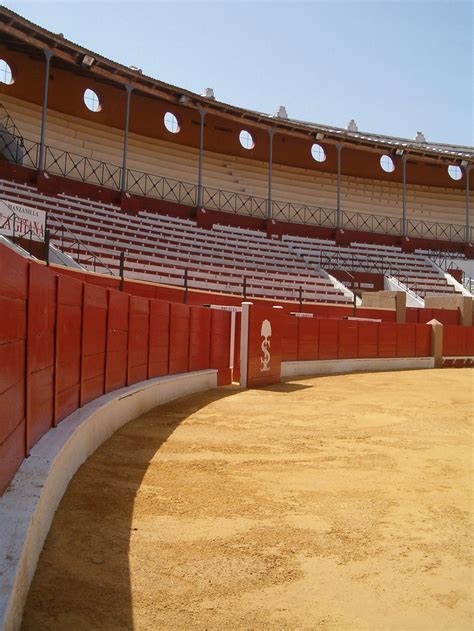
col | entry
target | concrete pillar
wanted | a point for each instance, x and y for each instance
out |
(404, 199)
(468, 222)
(338, 190)
(244, 343)
(436, 342)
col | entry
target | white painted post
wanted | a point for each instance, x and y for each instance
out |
(244, 343)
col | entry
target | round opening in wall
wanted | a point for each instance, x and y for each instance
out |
(171, 123)
(386, 163)
(92, 101)
(455, 172)
(246, 139)
(6, 74)
(318, 153)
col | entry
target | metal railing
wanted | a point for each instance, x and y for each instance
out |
(85, 169)
(72, 245)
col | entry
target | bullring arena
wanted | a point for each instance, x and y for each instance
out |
(236, 352)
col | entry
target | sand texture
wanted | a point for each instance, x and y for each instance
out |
(338, 502)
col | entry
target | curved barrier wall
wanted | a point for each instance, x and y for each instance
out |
(65, 341)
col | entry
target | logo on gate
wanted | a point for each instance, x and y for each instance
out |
(266, 332)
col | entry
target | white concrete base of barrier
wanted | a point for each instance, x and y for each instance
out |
(332, 366)
(27, 507)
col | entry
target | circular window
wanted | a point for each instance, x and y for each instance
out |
(246, 139)
(92, 101)
(455, 172)
(171, 123)
(318, 153)
(6, 74)
(386, 163)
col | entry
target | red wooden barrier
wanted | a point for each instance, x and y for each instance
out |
(68, 346)
(264, 346)
(423, 340)
(138, 339)
(40, 352)
(455, 340)
(308, 339)
(328, 339)
(13, 294)
(199, 338)
(94, 337)
(406, 336)
(387, 339)
(117, 341)
(368, 339)
(220, 345)
(179, 338)
(348, 339)
(289, 338)
(158, 356)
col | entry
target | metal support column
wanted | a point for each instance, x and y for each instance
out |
(338, 190)
(271, 133)
(467, 170)
(404, 198)
(48, 54)
(123, 179)
(200, 197)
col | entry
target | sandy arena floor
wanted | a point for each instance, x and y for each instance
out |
(341, 502)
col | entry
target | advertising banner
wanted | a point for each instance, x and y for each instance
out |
(16, 220)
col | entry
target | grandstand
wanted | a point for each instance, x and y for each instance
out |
(156, 243)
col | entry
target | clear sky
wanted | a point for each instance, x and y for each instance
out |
(394, 66)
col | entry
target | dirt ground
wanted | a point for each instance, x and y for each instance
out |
(339, 502)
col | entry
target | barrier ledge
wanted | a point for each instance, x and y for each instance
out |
(332, 366)
(28, 505)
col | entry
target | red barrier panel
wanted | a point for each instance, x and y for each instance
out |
(446, 316)
(455, 340)
(138, 333)
(13, 293)
(348, 339)
(411, 314)
(368, 339)
(199, 338)
(159, 338)
(387, 339)
(117, 341)
(179, 338)
(236, 369)
(94, 334)
(423, 340)
(425, 315)
(220, 345)
(264, 346)
(406, 336)
(308, 339)
(135, 288)
(328, 339)
(68, 346)
(470, 341)
(289, 339)
(40, 352)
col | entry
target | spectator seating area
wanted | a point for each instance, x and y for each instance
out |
(413, 270)
(164, 248)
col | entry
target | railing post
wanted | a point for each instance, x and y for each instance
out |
(48, 54)
(47, 239)
(186, 286)
(271, 133)
(123, 179)
(14, 228)
(122, 268)
(467, 170)
(202, 114)
(404, 195)
(300, 298)
(244, 288)
(338, 184)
